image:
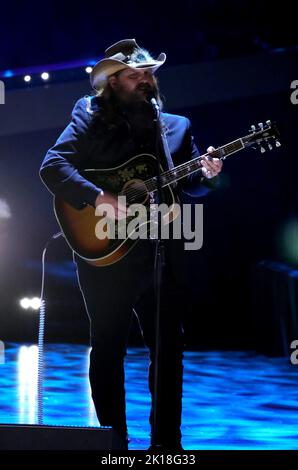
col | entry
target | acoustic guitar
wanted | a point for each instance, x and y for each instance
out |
(137, 181)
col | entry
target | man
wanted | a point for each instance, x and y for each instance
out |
(107, 130)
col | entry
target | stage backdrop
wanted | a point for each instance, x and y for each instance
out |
(250, 218)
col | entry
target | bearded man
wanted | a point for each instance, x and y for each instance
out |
(107, 129)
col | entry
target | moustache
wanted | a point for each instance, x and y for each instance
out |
(148, 91)
(146, 88)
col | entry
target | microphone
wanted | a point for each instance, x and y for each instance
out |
(152, 100)
(154, 104)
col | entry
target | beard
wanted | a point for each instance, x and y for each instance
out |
(128, 113)
(136, 107)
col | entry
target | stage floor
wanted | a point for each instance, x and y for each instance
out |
(232, 400)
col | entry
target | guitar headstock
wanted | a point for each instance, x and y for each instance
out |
(263, 137)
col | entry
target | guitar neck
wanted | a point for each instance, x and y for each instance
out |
(186, 169)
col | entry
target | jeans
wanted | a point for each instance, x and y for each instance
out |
(111, 295)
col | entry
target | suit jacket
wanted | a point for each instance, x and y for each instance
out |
(79, 147)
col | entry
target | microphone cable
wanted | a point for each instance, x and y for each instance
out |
(42, 315)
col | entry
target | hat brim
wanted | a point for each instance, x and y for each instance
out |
(106, 67)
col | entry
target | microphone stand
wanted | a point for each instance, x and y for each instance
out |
(159, 263)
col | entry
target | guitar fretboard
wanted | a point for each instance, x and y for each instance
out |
(185, 169)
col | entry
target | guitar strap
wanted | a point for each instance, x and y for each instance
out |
(163, 129)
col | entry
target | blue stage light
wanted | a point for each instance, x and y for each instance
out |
(8, 74)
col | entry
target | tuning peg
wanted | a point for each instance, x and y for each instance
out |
(261, 125)
(277, 143)
(270, 146)
(253, 128)
(263, 150)
(268, 122)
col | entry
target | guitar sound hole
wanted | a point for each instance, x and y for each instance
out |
(135, 192)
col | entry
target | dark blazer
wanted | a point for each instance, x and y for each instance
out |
(78, 148)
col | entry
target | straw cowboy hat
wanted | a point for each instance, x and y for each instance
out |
(122, 55)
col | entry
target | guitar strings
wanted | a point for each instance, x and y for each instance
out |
(133, 193)
(179, 171)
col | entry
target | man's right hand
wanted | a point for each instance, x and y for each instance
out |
(119, 210)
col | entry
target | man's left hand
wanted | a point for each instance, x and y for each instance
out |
(211, 166)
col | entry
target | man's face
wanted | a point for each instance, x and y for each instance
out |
(132, 85)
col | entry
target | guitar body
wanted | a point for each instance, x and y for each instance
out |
(79, 226)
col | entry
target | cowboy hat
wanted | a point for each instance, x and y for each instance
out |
(122, 55)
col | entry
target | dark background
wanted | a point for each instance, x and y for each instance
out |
(250, 222)
(35, 33)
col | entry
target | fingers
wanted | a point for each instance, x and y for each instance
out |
(211, 166)
(207, 173)
(113, 208)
